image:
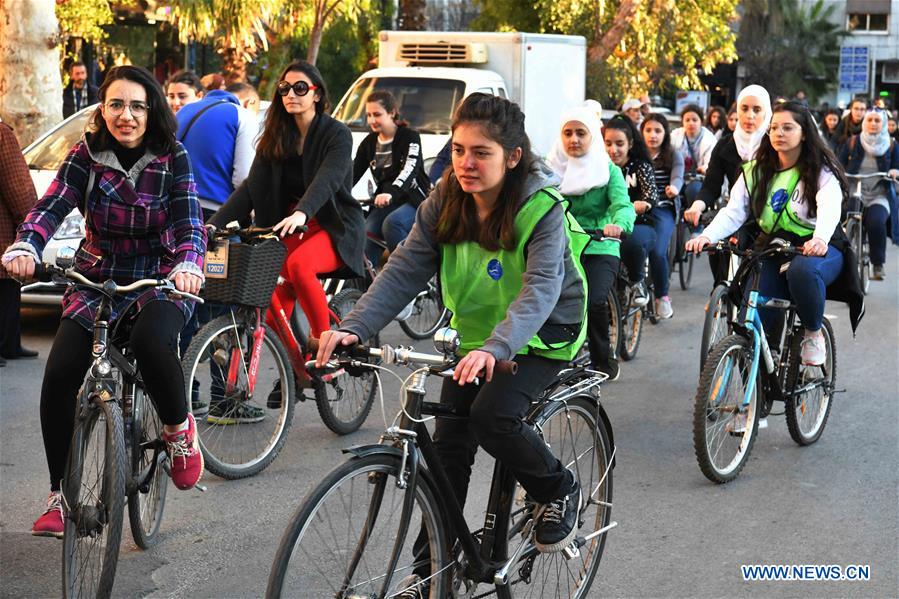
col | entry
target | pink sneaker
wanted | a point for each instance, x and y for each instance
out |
(50, 524)
(185, 456)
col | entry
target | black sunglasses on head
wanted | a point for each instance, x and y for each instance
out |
(300, 88)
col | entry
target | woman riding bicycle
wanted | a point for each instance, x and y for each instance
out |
(132, 181)
(716, 121)
(793, 190)
(392, 152)
(302, 176)
(655, 219)
(510, 273)
(597, 193)
(696, 143)
(830, 128)
(873, 151)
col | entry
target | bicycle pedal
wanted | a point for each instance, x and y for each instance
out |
(572, 551)
(200, 488)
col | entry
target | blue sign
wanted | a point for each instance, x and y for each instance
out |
(854, 69)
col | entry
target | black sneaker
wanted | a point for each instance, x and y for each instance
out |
(234, 413)
(558, 523)
(641, 296)
(612, 369)
(413, 587)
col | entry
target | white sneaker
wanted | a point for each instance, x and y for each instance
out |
(641, 298)
(812, 350)
(663, 307)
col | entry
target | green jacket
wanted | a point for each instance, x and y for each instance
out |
(601, 206)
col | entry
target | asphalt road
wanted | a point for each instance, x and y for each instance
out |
(679, 535)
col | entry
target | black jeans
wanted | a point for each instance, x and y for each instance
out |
(10, 324)
(154, 341)
(601, 271)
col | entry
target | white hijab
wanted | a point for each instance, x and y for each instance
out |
(585, 172)
(748, 143)
(876, 144)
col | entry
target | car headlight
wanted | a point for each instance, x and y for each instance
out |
(72, 227)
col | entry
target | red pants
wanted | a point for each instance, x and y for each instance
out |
(307, 257)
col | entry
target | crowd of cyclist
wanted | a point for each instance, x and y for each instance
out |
(503, 228)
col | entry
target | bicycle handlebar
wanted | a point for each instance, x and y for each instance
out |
(727, 246)
(879, 175)
(45, 273)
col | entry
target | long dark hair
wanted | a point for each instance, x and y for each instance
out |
(188, 78)
(665, 159)
(638, 149)
(161, 124)
(722, 118)
(280, 134)
(501, 121)
(389, 103)
(814, 155)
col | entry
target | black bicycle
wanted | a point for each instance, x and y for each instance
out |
(855, 229)
(353, 534)
(117, 450)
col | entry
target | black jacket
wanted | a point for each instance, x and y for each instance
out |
(725, 162)
(68, 98)
(326, 156)
(405, 180)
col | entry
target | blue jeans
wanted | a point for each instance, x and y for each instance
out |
(806, 281)
(875, 220)
(691, 190)
(634, 250)
(390, 223)
(663, 223)
(894, 216)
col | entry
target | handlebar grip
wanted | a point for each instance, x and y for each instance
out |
(43, 272)
(506, 367)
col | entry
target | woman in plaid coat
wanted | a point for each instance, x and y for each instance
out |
(133, 182)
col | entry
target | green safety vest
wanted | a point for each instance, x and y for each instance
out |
(479, 285)
(787, 220)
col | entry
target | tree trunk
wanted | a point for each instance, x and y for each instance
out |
(413, 15)
(315, 42)
(30, 83)
(234, 65)
(604, 44)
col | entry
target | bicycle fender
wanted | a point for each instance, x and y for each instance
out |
(361, 451)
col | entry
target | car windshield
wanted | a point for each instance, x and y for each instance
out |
(427, 104)
(49, 153)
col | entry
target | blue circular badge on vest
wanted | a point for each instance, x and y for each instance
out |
(495, 269)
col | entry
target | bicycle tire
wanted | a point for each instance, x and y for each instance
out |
(345, 400)
(232, 448)
(575, 434)
(145, 509)
(428, 314)
(323, 557)
(803, 429)
(94, 502)
(716, 325)
(631, 327)
(685, 272)
(710, 419)
(614, 323)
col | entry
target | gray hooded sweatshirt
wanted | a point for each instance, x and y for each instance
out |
(551, 291)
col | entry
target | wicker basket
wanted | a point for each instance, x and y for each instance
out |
(252, 274)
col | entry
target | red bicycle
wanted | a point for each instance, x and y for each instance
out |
(244, 377)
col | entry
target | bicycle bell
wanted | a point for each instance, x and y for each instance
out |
(65, 257)
(447, 341)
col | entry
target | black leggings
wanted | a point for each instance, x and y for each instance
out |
(154, 341)
(601, 271)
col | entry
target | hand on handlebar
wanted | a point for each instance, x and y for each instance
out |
(187, 282)
(814, 247)
(894, 173)
(329, 342)
(290, 224)
(469, 367)
(382, 199)
(696, 244)
(21, 268)
(611, 230)
(642, 207)
(694, 212)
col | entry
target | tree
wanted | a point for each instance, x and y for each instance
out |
(83, 18)
(30, 83)
(317, 15)
(413, 15)
(785, 48)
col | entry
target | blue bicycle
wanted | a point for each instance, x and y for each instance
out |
(751, 368)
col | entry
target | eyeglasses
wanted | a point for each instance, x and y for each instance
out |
(785, 129)
(117, 107)
(300, 88)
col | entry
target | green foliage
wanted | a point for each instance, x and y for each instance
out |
(84, 18)
(507, 15)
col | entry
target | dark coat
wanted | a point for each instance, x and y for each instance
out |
(17, 194)
(68, 98)
(725, 162)
(327, 164)
(405, 180)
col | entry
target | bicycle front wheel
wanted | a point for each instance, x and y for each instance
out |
(724, 430)
(809, 390)
(428, 313)
(577, 437)
(340, 540)
(93, 489)
(717, 322)
(247, 424)
(631, 326)
(146, 500)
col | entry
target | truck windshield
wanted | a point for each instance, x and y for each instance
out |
(51, 151)
(427, 104)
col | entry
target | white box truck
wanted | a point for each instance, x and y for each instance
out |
(430, 72)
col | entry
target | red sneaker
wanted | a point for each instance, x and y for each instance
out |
(185, 456)
(50, 524)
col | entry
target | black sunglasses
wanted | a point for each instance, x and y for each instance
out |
(300, 88)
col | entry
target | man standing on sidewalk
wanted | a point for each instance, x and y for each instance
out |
(78, 93)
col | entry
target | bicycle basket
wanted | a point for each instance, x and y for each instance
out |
(252, 274)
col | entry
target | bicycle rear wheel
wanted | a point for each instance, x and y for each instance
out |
(339, 541)
(614, 323)
(717, 321)
(574, 432)
(344, 400)
(93, 489)
(631, 326)
(244, 430)
(428, 313)
(810, 390)
(721, 443)
(146, 501)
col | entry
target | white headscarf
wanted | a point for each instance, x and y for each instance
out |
(748, 143)
(585, 172)
(876, 144)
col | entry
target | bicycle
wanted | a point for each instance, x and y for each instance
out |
(855, 230)
(116, 450)
(235, 355)
(743, 375)
(720, 311)
(678, 259)
(351, 536)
